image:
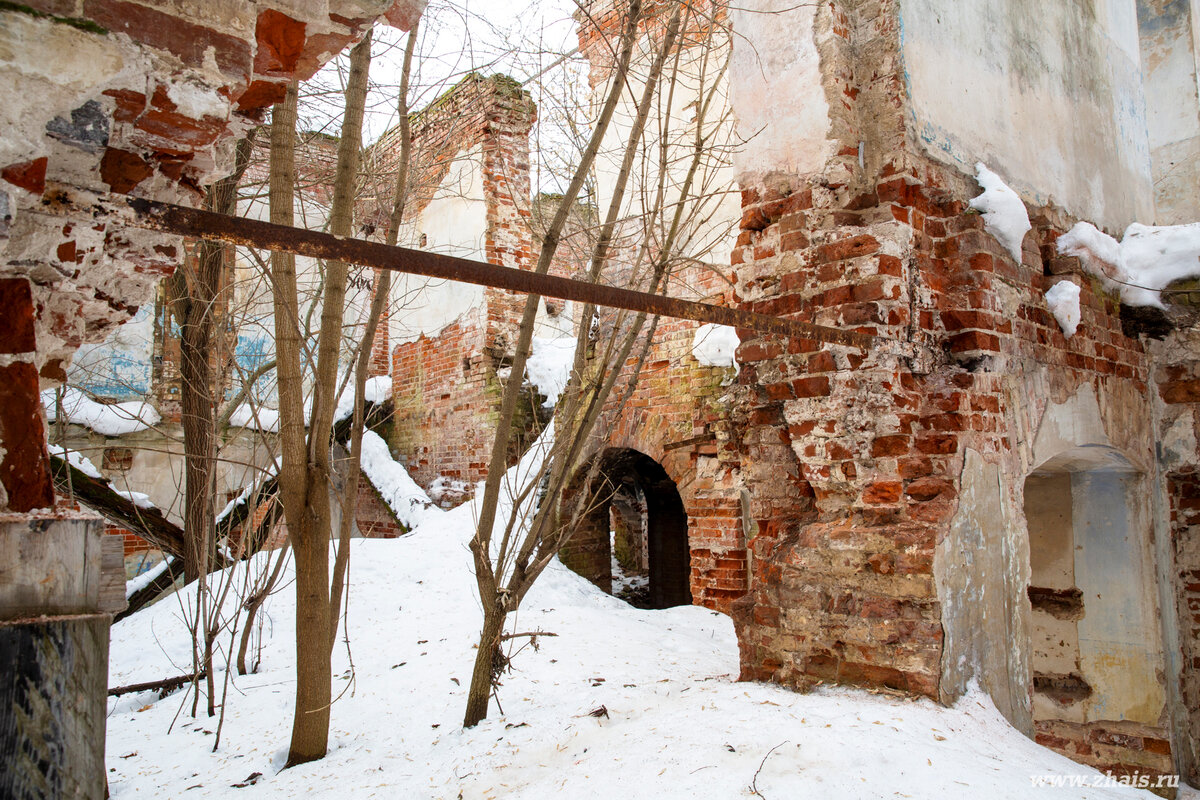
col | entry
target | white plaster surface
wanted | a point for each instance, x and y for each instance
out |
(695, 84)
(981, 568)
(1045, 92)
(454, 223)
(775, 82)
(1169, 47)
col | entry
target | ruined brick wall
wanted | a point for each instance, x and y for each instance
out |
(846, 582)
(1177, 376)
(678, 413)
(677, 417)
(372, 516)
(1184, 495)
(446, 394)
(446, 386)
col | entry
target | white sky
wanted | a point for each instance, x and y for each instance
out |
(519, 39)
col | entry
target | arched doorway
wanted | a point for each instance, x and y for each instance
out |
(631, 524)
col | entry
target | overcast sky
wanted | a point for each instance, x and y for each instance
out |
(518, 38)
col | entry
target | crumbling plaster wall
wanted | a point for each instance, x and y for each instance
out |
(1049, 93)
(1177, 529)
(1170, 54)
(899, 557)
(138, 99)
(775, 54)
(100, 96)
(983, 563)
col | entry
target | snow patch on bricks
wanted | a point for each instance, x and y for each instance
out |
(1146, 260)
(1004, 213)
(1063, 301)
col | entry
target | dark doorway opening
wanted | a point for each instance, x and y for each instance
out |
(631, 539)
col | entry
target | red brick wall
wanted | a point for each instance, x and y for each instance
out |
(675, 417)
(871, 446)
(446, 397)
(445, 386)
(1116, 748)
(1184, 495)
(133, 543)
(372, 516)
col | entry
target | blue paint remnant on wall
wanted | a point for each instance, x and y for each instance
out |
(252, 351)
(1154, 18)
(120, 367)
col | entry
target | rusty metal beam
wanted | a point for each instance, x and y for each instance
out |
(192, 222)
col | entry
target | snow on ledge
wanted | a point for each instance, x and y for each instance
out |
(107, 419)
(714, 345)
(263, 418)
(139, 499)
(139, 582)
(1004, 213)
(1142, 264)
(1063, 301)
(257, 419)
(406, 499)
(77, 460)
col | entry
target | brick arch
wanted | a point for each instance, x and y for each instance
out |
(595, 485)
(713, 493)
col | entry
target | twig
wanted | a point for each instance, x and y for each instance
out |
(531, 634)
(754, 780)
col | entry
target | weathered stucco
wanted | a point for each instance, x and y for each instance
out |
(982, 568)
(1049, 94)
(455, 222)
(1169, 53)
(775, 56)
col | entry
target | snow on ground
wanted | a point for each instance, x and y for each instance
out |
(1063, 301)
(1004, 214)
(107, 419)
(674, 721)
(1145, 262)
(714, 345)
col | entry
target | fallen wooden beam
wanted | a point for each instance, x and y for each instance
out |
(98, 495)
(164, 686)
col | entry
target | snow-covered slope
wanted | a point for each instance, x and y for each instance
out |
(678, 724)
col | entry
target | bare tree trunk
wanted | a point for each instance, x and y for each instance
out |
(307, 466)
(487, 579)
(255, 602)
(196, 297)
(310, 725)
(504, 574)
(383, 287)
(484, 672)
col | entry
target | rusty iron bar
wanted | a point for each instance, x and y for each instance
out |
(174, 219)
